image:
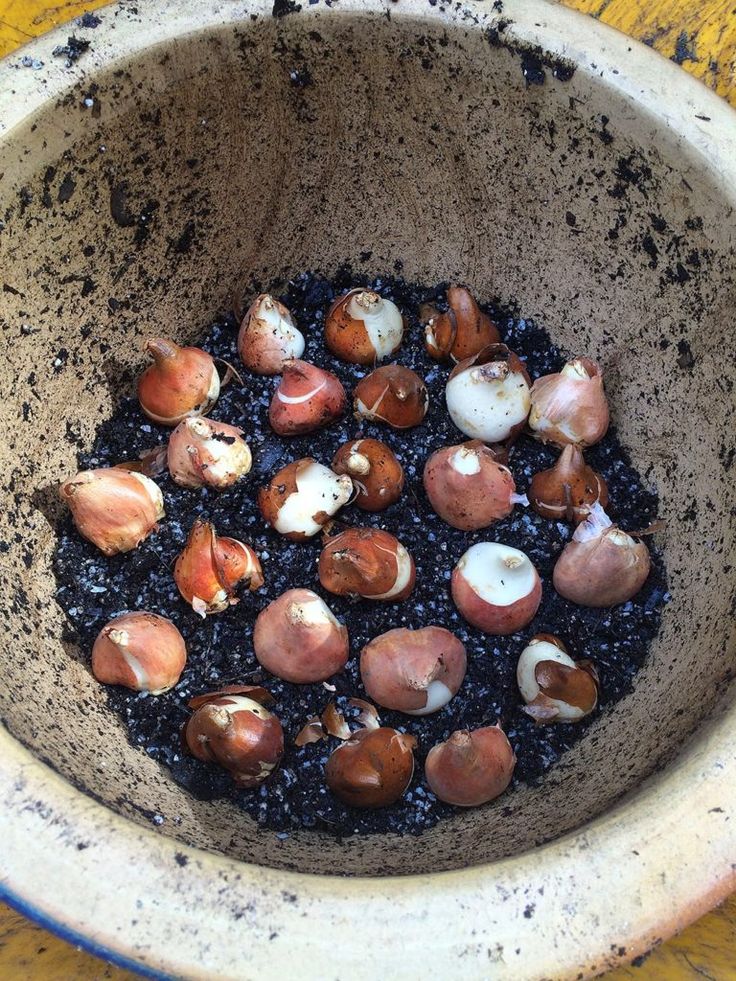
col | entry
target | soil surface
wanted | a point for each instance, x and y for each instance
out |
(92, 589)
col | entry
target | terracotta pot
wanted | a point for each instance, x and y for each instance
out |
(178, 158)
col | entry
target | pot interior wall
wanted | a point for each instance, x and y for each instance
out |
(156, 189)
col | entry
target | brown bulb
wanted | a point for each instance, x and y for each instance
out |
(554, 687)
(373, 768)
(367, 562)
(468, 487)
(307, 398)
(570, 406)
(206, 453)
(472, 767)
(413, 671)
(602, 565)
(114, 509)
(496, 588)
(210, 567)
(298, 638)
(392, 394)
(142, 651)
(567, 490)
(378, 477)
(460, 332)
(363, 327)
(268, 336)
(182, 381)
(233, 729)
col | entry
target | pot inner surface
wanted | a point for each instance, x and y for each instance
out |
(158, 187)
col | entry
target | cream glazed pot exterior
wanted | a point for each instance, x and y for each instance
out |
(636, 836)
(570, 909)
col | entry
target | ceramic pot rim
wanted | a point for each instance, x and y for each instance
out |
(607, 892)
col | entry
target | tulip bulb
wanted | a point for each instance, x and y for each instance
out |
(378, 477)
(206, 453)
(554, 687)
(468, 487)
(567, 491)
(392, 394)
(234, 729)
(462, 331)
(303, 497)
(268, 336)
(496, 588)
(367, 562)
(141, 651)
(298, 638)
(209, 568)
(307, 398)
(472, 767)
(570, 406)
(182, 381)
(488, 395)
(363, 327)
(112, 508)
(602, 565)
(413, 671)
(373, 768)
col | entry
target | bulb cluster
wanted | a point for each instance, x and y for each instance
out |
(297, 638)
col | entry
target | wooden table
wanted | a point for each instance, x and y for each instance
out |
(700, 36)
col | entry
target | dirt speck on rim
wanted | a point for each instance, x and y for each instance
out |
(72, 50)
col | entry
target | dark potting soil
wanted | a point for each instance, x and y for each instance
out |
(93, 589)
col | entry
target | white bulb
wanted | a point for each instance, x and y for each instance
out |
(382, 320)
(486, 405)
(499, 574)
(318, 491)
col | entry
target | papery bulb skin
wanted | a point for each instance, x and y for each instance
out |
(488, 395)
(461, 331)
(553, 686)
(567, 491)
(298, 638)
(206, 453)
(496, 588)
(210, 567)
(268, 336)
(413, 671)
(367, 562)
(393, 395)
(141, 651)
(307, 398)
(570, 406)
(182, 381)
(378, 477)
(467, 486)
(112, 508)
(363, 327)
(373, 768)
(472, 767)
(303, 497)
(602, 565)
(233, 729)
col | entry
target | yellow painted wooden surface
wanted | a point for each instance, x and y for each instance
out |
(29, 953)
(701, 36)
(698, 34)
